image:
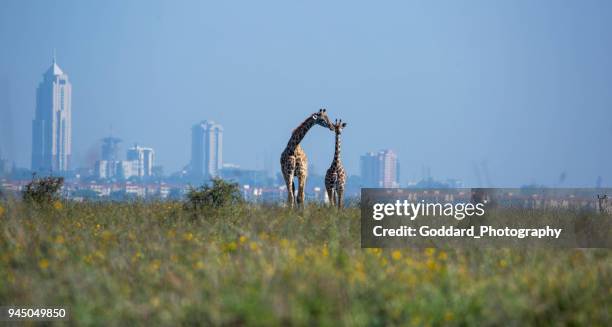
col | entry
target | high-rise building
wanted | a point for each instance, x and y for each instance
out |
(206, 149)
(110, 148)
(52, 124)
(143, 160)
(380, 169)
(369, 170)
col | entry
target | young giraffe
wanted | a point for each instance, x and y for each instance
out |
(294, 162)
(336, 177)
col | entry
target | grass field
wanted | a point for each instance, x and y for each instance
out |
(157, 264)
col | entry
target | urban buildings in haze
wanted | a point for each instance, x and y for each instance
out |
(142, 160)
(52, 124)
(138, 163)
(206, 149)
(380, 169)
(110, 148)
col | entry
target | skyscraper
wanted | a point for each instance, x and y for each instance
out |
(206, 149)
(380, 169)
(142, 158)
(52, 124)
(110, 148)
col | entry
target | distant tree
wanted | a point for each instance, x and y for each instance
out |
(219, 194)
(45, 190)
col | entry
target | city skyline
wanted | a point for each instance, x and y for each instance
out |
(492, 94)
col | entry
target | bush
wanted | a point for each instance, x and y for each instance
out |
(220, 194)
(44, 190)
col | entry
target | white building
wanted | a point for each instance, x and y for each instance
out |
(206, 149)
(126, 169)
(142, 159)
(52, 124)
(380, 169)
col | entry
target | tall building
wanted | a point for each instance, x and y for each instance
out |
(110, 148)
(206, 149)
(142, 159)
(52, 124)
(380, 169)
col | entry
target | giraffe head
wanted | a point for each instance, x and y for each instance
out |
(320, 118)
(338, 126)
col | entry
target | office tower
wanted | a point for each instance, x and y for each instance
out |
(206, 149)
(110, 148)
(142, 159)
(390, 167)
(380, 169)
(52, 126)
(369, 170)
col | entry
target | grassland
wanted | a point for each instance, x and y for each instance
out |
(157, 264)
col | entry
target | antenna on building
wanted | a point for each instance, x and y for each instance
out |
(54, 56)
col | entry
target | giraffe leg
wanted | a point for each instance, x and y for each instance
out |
(330, 196)
(290, 189)
(340, 197)
(289, 170)
(300, 194)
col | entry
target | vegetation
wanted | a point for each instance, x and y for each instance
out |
(152, 264)
(43, 190)
(219, 194)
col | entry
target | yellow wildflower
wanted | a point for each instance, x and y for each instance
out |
(432, 265)
(188, 236)
(231, 246)
(442, 255)
(375, 251)
(396, 255)
(253, 246)
(138, 255)
(1, 211)
(243, 239)
(57, 205)
(59, 239)
(43, 264)
(285, 243)
(325, 251)
(199, 265)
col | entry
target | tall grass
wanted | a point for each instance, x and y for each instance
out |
(157, 264)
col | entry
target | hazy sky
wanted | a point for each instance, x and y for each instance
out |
(522, 89)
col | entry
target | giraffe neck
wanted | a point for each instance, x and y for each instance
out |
(337, 151)
(298, 134)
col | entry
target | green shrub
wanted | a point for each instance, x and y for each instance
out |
(219, 194)
(45, 190)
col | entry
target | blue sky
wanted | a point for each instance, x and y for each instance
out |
(523, 88)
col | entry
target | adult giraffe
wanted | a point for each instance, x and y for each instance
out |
(293, 160)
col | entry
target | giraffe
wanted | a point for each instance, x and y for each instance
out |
(293, 160)
(336, 176)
